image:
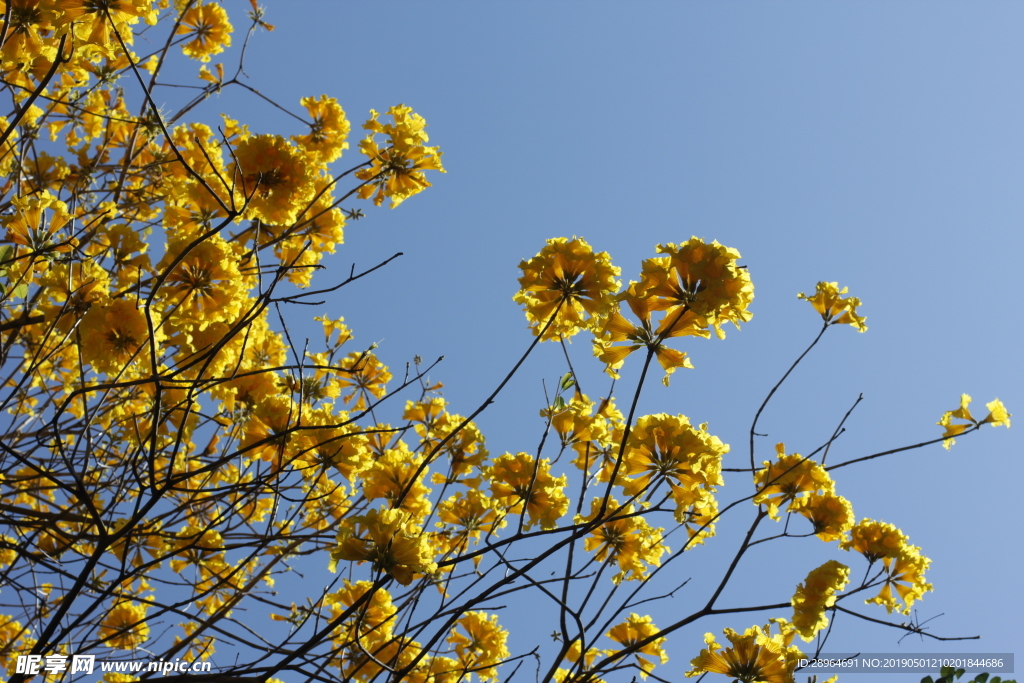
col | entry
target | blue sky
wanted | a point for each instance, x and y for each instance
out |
(879, 145)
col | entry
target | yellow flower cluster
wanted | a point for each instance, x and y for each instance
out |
(815, 595)
(396, 170)
(996, 417)
(124, 627)
(696, 285)
(479, 645)
(631, 632)
(390, 541)
(700, 278)
(566, 288)
(626, 539)
(518, 481)
(834, 309)
(594, 437)
(207, 31)
(903, 564)
(667, 450)
(755, 656)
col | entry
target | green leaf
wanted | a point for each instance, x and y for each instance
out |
(568, 381)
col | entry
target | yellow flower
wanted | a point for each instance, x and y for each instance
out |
(904, 566)
(516, 478)
(124, 627)
(465, 449)
(396, 171)
(275, 177)
(827, 300)
(618, 329)
(464, 517)
(208, 30)
(30, 33)
(635, 629)
(116, 334)
(30, 227)
(815, 595)
(567, 280)
(667, 448)
(391, 474)
(602, 450)
(788, 479)
(389, 541)
(831, 515)
(905, 574)
(329, 130)
(376, 615)
(756, 656)
(875, 540)
(205, 284)
(365, 376)
(270, 433)
(700, 278)
(91, 24)
(997, 416)
(630, 541)
(572, 420)
(481, 646)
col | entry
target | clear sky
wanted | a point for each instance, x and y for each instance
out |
(879, 145)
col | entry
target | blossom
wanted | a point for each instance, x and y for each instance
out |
(629, 541)
(207, 29)
(997, 416)
(602, 450)
(464, 517)
(203, 282)
(667, 449)
(396, 170)
(364, 376)
(788, 479)
(815, 595)
(632, 631)
(903, 564)
(36, 223)
(115, 334)
(827, 300)
(755, 656)
(518, 479)
(270, 433)
(617, 329)
(904, 573)
(389, 541)
(276, 179)
(700, 278)
(435, 425)
(830, 515)
(375, 616)
(329, 130)
(875, 540)
(93, 21)
(391, 477)
(479, 645)
(29, 34)
(124, 627)
(569, 281)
